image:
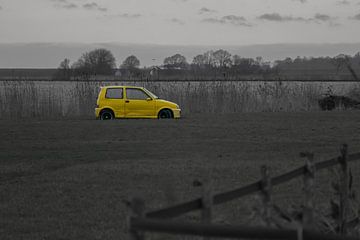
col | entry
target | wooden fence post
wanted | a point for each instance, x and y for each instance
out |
(266, 195)
(136, 209)
(344, 189)
(207, 204)
(309, 185)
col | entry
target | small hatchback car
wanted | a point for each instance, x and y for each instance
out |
(132, 102)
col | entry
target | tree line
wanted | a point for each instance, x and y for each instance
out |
(220, 64)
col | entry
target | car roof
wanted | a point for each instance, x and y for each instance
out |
(116, 86)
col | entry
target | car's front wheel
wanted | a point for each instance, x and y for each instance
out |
(106, 115)
(165, 113)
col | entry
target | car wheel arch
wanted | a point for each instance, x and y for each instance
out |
(107, 109)
(165, 108)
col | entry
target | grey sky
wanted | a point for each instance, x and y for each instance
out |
(184, 22)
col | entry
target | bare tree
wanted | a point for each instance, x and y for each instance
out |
(175, 61)
(65, 64)
(209, 58)
(199, 60)
(64, 70)
(98, 61)
(222, 58)
(343, 60)
(204, 60)
(130, 62)
(236, 60)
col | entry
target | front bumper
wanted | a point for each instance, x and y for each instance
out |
(177, 112)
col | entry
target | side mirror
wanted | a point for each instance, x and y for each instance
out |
(149, 99)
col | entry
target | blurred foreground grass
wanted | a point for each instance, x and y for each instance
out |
(67, 179)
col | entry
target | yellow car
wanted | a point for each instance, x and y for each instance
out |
(132, 102)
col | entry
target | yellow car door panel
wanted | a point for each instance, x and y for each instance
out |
(138, 103)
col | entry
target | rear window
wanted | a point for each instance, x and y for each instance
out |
(114, 93)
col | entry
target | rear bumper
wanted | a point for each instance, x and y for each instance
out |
(177, 113)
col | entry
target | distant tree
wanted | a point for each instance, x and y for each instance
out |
(204, 60)
(342, 61)
(236, 60)
(209, 58)
(245, 65)
(298, 60)
(175, 61)
(259, 60)
(98, 61)
(199, 60)
(357, 56)
(288, 60)
(222, 58)
(65, 64)
(64, 71)
(130, 62)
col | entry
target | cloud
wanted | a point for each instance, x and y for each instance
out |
(229, 19)
(323, 17)
(127, 15)
(1, 8)
(276, 17)
(70, 6)
(64, 4)
(318, 18)
(123, 15)
(206, 10)
(94, 6)
(343, 2)
(177, 21)
(302, 1)
(356, 17)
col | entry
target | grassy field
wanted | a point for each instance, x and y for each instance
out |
(67, 179)
(76, 100)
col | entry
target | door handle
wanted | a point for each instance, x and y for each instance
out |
(127, 101)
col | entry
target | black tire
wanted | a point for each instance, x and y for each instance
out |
(106, 115)
(165, 113)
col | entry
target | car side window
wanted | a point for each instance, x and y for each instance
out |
(136, 94)
(114, 93)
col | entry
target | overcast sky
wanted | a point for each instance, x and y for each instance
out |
(181, 22)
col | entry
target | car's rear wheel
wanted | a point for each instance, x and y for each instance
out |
(165, 113)
(106, 115)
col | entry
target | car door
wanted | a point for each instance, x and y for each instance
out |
(138, 103)
(114, 98)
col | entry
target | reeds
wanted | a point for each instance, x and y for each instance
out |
(47, 100)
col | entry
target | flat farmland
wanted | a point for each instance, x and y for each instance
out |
(68, 179)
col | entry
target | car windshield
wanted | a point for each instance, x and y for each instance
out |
(151, 94)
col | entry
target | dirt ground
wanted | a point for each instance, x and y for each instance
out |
(68, 179)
